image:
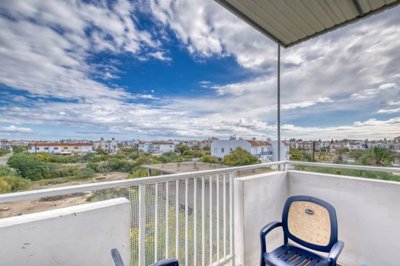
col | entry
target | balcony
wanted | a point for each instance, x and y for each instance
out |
(208, 217)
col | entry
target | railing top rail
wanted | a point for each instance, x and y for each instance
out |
(37, 194)
(50, 192)
(348, 166)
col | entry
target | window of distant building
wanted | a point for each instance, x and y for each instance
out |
(55, 148)
(222, 150)
(37, 148)
(65, 148)
(76, 148)
(46, 148)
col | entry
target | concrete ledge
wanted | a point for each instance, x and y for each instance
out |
(73, 236)
(367, 210)
(258, 200)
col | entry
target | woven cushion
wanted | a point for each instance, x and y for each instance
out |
(309, 222)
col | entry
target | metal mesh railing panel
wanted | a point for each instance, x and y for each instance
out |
(188, 219)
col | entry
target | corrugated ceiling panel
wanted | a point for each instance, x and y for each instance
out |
(291, 21)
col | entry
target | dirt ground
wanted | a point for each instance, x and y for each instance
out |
(44, 204)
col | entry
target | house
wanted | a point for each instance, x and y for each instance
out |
(157, 147)
(263, 150)
(61, 148)
(109, 146)
(355, 145)
(5, 144)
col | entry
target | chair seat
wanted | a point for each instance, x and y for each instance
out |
(291, 255)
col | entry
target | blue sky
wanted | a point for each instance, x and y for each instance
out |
(188, 69)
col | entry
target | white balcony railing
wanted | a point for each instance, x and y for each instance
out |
(189, 216)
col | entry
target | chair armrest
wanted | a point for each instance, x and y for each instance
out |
(335, 251)
(167, 262)
(264, 231)
(116, 257)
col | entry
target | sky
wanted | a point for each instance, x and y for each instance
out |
(188, 69)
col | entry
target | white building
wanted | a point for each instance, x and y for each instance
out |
(157, 147)
(355, 145)
(5, 144)
(61, 148)
(109, 146)
(263, 150)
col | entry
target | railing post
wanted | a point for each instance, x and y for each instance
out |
(142, 224)
(232, 177)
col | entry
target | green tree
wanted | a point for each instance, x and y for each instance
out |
(28, 166)
(378, 157)
(182, 148)
(18, 149)
(238, 157)
(295, 154)
(209, 159)
(4, 152)
(100, 151)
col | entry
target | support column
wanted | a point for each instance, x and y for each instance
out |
(279, 101)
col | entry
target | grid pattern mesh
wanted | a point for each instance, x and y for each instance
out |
(188, 219)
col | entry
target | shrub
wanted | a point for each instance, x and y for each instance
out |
(28, 166)
(86, 173)
(4, 152)
(12, 183)
(238, 157)
(209, 159)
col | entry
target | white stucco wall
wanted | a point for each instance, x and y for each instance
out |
(258, 200)
(73, 236)
(368, 214)
(228, 146)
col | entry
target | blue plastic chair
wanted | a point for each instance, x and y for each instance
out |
(118, 260)
(307, 221)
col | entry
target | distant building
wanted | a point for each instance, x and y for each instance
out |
(61, 148)
(5, 144)
(356, 145)
(156, 147)
(128, 143)
(109, 146)
(263, 150)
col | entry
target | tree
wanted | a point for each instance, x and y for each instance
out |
(295, 154)
(238, 157)
(4, 151)
(28, 166)
(209, 159)
(182, 148)
(18, 149)
(378, 157)
(100, 151)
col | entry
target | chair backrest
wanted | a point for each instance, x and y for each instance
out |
(310, 222)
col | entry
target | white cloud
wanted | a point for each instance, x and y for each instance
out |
(45, 46)
(389, 111)
(371, 93)
(369, 129)
(14, 129)
(324, 73)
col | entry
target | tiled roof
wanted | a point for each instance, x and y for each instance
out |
(46, 144)
(255, 143)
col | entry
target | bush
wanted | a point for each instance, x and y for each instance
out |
(28, 166)
(210, 159)
(238, 157)
(18, 149)
(86, 173)
(63, 172)
(12, 183)
(4, 152)
(138, 172)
